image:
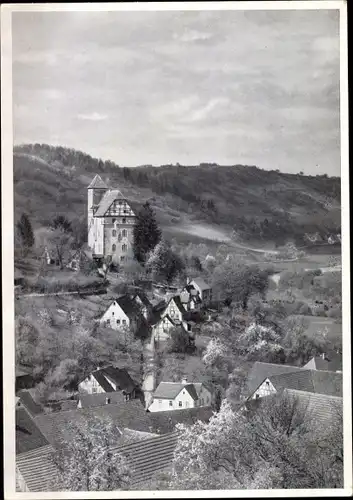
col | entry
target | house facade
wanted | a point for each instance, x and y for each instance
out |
(180, 396)
(123, 312)
(203, 289)
(107, 380)
(111, 220)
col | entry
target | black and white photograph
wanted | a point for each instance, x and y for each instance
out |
(176, 250)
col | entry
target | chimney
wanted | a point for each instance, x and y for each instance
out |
(184, 381)
(107, 401)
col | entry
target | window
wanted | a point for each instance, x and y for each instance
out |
(124, 247)
(120, 202)
(124, 220)
(107, 322)
(113, 247)
(112, 313)
(170, 403)
(180, 404)
(122, 257)
(113, 220)
(187, 404)
(124, 321)
(118, 321)
(159, 401)
(124, 233)
(113, 233)
(94, 389)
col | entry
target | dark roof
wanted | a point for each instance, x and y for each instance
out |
(128, 305)
(331, 362)
(260, 371)
(149, 456)
(102, 381)
(27, 401)
(178, 303)
(120, 377)
(201, 283)
(170, 390)
(165, 421)
(143, 297)
(28, 435)
(37, 468)
(321, 382)
(97, 183)
(321, 410)
(99, 399)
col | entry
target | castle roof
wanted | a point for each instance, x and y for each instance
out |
(97, 183)
(107, 200)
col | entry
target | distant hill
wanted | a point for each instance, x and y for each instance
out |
(259, 205)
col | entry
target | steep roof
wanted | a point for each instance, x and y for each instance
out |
(170, 390)
(320, 409)
(28, 435)
(201, 283)
(260, 371)
(178, 303)
(321, 382)
(97, 183)
(27, 401)
(143, 297)
(119, 376)
(109, 198)
(37, 468)
(128, 305)
(165, 421)
(149, 456)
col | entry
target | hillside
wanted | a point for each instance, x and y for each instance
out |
(260, 206)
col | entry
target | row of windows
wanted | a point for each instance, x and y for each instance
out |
(123, 247)
(123, 233)
(123, 220)
(118, 322)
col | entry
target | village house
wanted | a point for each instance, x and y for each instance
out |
(144, 305)
(123, 312)
(313, 381)
(177, 396)
(107, 380)
(203, 289)
(111, 220)
(328, 362)
(171, 317)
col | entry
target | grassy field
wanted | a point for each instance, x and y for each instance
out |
(314, 324)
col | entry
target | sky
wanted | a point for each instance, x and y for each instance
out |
(232, 87)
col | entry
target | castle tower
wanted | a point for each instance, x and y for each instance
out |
(95, 192)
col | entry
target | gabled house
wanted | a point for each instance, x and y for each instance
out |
(328, 362)
(313, 381)
(180, 395)
(123, 312)
(107, 380)
(144, 305)
(261, 371)
(190, 298)
(172, 316)
(204, 290)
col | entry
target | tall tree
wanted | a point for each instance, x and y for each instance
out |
(147, 234)
(86, 462)
(163, 263)
(25, 232)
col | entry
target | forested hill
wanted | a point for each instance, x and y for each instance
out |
(257, 204)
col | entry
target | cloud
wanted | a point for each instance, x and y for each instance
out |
(192, 36)
(204, 111)
(94, 117)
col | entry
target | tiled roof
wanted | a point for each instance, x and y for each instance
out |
(107, 200)
(178, 303)
(128, 305)
(99, 399)
(97, 183)
(37, 468)
(201, 283)
(331, 362)
(321, 382)
(170, 390)
(320, 409)
(260, 371)
(165, 421)
(28, 434)
(102, 381)
(149, 456)
(143, 297)
(120, 377)
(27, 401)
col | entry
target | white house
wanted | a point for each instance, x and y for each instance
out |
(107, 380)
(204, 290)
(175, 310)
(111, 220)
(123, 312)
(179, 396)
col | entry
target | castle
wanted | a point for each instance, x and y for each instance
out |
(111, 221)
